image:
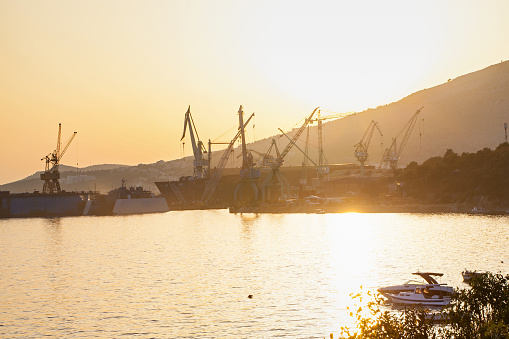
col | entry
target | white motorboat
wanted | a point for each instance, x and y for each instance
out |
(428, 295)
(467, 275)
(411, 285)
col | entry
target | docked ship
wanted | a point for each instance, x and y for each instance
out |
(22, 205)
(134, 200)
(187, 192)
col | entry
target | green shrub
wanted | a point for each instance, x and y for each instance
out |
(479, 311)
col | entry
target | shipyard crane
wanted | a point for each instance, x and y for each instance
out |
(392, 154)
(249, 176)
(306, 156)
(268, 159)
(199, 163)
(323, 168)
(361, 148)
(305, 161)
(303, 180)
(216, 175)
(51, 173)
(275, 178)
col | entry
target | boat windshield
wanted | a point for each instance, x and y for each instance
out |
(414, 282)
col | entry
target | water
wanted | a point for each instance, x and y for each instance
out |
(188, 274)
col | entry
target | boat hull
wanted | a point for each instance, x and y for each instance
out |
(412, 299)
(41, 205)
(140, 206)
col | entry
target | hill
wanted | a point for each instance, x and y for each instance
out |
(465, 114)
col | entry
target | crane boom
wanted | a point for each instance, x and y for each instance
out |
(366, 138)
(303, 152)
(198, 148)
(411, 123)
(67, 146)
(393, 153)
(296, 136)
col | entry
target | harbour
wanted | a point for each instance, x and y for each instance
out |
(188, 274)
(254, 169)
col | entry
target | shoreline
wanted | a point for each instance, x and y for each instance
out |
(365, 208)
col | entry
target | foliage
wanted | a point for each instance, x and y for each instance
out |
(373, 323)
(481, 311)
(457, 178)
(478, 312)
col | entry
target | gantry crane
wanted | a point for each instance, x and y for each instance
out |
(218, 171)
(323, 167)
(51, 173)
(275, 178)
(361, 148)
(392, 154)
(199, 163)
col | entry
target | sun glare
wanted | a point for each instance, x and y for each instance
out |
(353, 245)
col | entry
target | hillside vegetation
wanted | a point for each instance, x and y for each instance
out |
(480, 177)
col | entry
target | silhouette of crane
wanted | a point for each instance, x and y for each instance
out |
(199, 163)
(218, 171)
(361, 148)
(392, 154)
(51, 173)
(275, 179)
(323, 168)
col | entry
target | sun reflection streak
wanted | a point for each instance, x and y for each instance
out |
(354, 243)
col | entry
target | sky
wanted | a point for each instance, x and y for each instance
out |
(123, 73)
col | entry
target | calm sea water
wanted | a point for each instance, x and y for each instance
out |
(188, 274)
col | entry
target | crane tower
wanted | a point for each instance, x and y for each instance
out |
(323, 168)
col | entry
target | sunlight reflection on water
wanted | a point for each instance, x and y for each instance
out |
(188, 274)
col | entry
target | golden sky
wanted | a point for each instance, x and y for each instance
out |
(122, 73)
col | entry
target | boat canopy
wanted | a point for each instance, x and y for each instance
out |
(428, 276)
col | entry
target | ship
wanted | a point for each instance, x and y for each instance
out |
(22, 205)
(134, 200)
(187, 192)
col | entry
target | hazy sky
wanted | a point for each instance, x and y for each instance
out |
(122, 73)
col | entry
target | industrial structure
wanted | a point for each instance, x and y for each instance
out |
(51, 174)
(248, 190)
(323, 168)
(200, 165)
(392, 154)
(361, 148)
(275, 186)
